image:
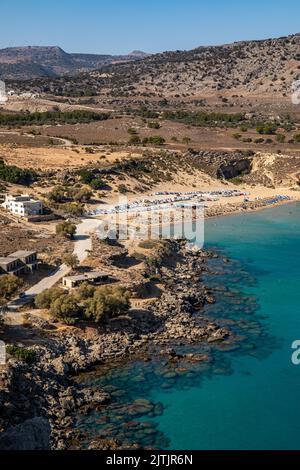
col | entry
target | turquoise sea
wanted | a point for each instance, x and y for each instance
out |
(248, 398)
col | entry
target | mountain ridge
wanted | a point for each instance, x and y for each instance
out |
(266, 66)
(28, 62)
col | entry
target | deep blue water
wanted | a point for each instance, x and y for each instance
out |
(248, 398)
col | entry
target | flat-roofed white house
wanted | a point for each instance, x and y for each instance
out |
(22, 206)
(93, 278)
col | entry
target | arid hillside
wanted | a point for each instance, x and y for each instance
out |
(265, 67)
(28, 62)
(255, 66)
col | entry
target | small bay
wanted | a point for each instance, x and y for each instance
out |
(247, 397)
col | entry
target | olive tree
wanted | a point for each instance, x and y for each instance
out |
(107, 302)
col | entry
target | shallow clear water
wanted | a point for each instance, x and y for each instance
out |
(247, 398)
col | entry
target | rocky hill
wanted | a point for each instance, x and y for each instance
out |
(258, 68)
(266, 66)
(23, 63)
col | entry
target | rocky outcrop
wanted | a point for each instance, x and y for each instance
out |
(223, 165)
(33, 434)
(234, 169)
(47, 388)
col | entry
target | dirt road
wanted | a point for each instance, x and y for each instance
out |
(82, 246)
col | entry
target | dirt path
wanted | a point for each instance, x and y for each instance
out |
(64, 142)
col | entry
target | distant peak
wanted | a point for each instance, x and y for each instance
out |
(139, 54)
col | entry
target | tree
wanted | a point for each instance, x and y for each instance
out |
(47, 297)
(9, 286)
(122, 189)
(280, 138)
(75, 209)
(97, 184)
(267, 128)
(66, 308)
(83, 195)
(156, 140)
(296, 138)
(154, 125)
(236, 136)
(66, 229)
(134, 140)
(132, 131)
(85, 291)
(107, 302)
(58, 194)
(13, 174)
(71, 260)
(86, 176)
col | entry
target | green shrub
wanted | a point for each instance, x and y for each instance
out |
(15, 175)
(51, 117)
(97, 184)
(81, 195)
(9, 285)
(156, 140)
(134, 140)
(122, 189)
(66, 309)
(71, 260)
(154, 125)
(74, 208)
(86, 176)
(296, 138)
(21, 354)
(58, 194)
(267, 128)
(205, 119)
(66, 229)
(237, 180)
(132, 131)
(107, 302)
(45, 298)
(280, 138)
(85, 291)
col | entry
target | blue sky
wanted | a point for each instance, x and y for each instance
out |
(117, 26)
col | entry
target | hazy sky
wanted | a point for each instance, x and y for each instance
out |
(117, 26)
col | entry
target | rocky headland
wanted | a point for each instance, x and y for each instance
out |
(39, 401)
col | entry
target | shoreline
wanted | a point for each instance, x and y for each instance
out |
(227, 208)
(66, 356)
(241, 211)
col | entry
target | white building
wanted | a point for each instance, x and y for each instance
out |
(93, 278)
(22, 206)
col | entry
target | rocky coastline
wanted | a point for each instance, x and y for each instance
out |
(39, 401)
